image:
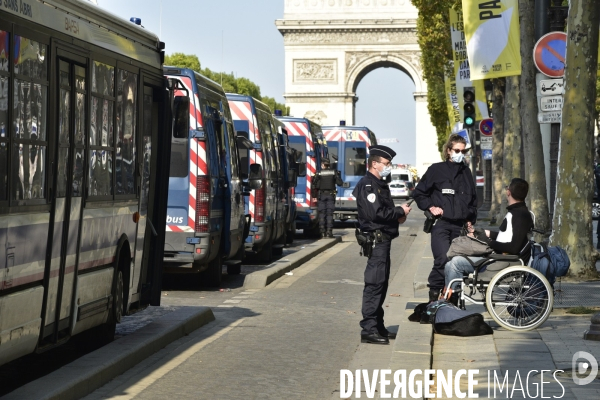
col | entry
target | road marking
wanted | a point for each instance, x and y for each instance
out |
(347, 281)
(286, 281)
(247, 292)
(232, 301)
(224, 306)
(241, 297)
(134, 390)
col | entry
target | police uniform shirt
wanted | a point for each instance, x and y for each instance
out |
(376, 209)
(450, 186)
(327, 179)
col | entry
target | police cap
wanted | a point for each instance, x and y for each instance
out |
(382, 151)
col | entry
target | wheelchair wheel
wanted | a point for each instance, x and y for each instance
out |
(519, 298)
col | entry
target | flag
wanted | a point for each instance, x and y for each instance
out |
(493, 38)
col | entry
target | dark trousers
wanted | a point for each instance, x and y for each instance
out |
(377, 275)
(326, 207)
(442, 234)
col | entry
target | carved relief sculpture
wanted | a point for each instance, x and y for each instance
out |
(315, 70)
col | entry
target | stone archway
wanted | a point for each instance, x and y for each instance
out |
(330, 45)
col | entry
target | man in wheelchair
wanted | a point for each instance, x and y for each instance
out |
(510, 239)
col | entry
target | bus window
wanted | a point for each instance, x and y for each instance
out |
(126, 129)
(101, 142)
(355, 160)
(332, 147)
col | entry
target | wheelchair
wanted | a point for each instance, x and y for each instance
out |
(517, 297)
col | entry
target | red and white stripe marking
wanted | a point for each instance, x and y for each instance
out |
(346, 135)
(301, 129)
(242, 111)
(198, 164)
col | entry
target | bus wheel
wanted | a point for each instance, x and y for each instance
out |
(212, 276)
(118, 298)
(235, 269)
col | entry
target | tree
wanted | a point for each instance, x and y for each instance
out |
(535, 171)
(433, 31)
(511, 167)
(229, 82)
(498, 143)
(572, 221)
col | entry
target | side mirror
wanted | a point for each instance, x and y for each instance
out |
(302, 169)
(181, 117)
(255, 176)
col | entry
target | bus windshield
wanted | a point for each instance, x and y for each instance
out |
(355, 159)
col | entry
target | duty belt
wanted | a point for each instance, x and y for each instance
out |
(378, 236)
(327, 191)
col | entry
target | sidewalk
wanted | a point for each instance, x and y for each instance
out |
(514, 355)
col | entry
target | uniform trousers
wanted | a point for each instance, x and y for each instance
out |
(377, 275)
(326, 207)
(442, 234)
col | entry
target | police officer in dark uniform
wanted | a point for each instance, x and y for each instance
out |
(379, 219)
(448, 192)
(326, 182)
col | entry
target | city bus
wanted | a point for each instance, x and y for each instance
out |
(349, 150)
(85, 123)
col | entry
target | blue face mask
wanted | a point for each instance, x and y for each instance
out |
(385, 171)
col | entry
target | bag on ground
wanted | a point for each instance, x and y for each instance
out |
(447, 319)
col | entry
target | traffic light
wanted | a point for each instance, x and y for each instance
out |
(469, 107)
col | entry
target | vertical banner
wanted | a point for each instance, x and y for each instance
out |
(462, 68)
(493, 38)
(455, 114)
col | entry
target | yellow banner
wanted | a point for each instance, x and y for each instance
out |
(462, 68)
(493, 38)
(455, 114)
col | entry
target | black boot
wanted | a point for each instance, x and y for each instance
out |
(322, 234)
(329, 233)
(434, 295)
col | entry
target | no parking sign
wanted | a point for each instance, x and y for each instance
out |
(486, 126)
(549, 54)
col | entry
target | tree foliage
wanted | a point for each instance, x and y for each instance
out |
(229, 82)
(433, 31)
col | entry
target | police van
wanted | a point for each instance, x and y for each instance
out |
(206, 221)
(306, 137)
(349, 150)
(253, 120)
(292, 170)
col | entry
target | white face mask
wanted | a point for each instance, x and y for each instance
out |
(458, 158)
(385, 171)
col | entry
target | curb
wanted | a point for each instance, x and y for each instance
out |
(92, 371)
(260, 279)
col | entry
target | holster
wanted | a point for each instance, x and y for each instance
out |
(429, 222)
(366, 242)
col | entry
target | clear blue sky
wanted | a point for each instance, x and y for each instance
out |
(239, 36)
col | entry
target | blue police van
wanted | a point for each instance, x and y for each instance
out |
(206, 221)
(349, 150)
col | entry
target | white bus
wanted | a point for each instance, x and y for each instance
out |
(83, 171)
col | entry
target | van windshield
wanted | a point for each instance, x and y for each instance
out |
(355, 159)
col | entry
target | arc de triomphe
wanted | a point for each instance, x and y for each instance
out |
(330, 45)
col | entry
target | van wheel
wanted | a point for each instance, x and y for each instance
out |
(277, 251)
(234, 269)
(105, 333)
(212, 276)
(118, 298)
(266, 253)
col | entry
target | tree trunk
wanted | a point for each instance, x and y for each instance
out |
(512, 137)
(535, 172)
(498, 147)
(572, 221)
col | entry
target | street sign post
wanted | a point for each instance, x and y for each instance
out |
(486, 126)
(485, 142)
(549, 54)
(551, 117)
(551, 87)
(551, 103)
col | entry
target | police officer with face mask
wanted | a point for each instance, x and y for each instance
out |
(448, 192)
(326, 181)
(379, 219)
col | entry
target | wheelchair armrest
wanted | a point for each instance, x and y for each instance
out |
(504, 257)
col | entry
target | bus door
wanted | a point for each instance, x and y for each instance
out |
(218, 164)
(68, 192)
